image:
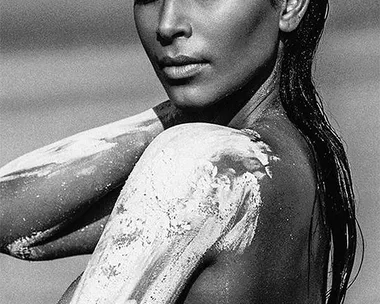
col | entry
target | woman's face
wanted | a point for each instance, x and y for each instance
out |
(204, 50)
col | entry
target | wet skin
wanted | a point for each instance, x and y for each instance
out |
(204, 60)
(277, 265)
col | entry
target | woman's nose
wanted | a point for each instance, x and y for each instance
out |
(173, 22)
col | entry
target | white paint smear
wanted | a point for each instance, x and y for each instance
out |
(72, 148)
(177, 204)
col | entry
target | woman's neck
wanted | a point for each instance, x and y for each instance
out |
(247, 105)
(238, 110)
(262, 103)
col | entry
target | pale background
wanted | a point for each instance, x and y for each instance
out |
(68, 65)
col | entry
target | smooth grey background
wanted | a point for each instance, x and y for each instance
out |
(68, 65)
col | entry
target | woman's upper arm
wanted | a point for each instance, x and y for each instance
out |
(194, 191)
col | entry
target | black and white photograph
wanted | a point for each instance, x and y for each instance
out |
(189, 152)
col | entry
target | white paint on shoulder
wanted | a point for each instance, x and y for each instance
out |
(180, 200)
(241, 235)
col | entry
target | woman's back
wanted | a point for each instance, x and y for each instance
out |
(283, 262)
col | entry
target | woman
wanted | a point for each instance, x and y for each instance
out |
(248, 206)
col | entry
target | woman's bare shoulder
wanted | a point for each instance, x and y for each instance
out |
(274, 158)
(274, 260)
(199, 175)
(275, 153)
(293, 172)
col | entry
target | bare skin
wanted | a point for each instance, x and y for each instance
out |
(83, 175)
(203, 258)
(287, 200)
(221, 275)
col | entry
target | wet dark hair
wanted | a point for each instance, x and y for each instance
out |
(304, 109)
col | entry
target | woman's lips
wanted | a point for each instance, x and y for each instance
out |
(183, 71)
(181, 67)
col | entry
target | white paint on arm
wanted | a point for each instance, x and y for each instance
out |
(70, 149)
(182, 199)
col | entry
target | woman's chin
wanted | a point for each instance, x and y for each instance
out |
(192, 98)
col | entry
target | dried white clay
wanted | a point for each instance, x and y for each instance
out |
(181, 200)
(37, 163)
(23, 247)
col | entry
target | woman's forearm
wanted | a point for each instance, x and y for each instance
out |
(44, 190)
